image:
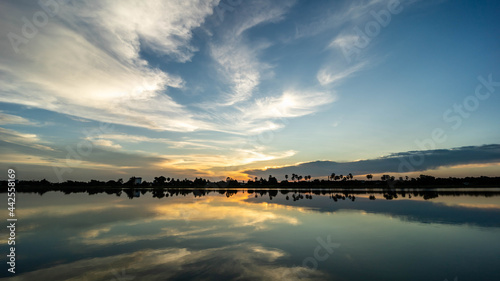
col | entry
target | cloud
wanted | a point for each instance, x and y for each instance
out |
(203, 161)
(125, 28)
(344, 41)
(111, 153)
(244, 261)
(191, 144)
(211, 165)
(9, 119)
(336, 16)
(106, 144)
(86, 62)
(291, 103)
(331, 74)
(347, 57)
(239, 66)
(402, 162)
(17, 138)
(237, 56)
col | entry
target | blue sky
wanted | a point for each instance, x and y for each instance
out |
(113, 89)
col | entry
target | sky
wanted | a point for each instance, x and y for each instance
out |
(214, 89)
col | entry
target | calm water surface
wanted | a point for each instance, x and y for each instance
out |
(249, 236)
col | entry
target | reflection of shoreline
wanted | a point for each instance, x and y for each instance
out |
(295, 193)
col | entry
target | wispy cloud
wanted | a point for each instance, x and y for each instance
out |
(18, 138)
(9, 119)
(86, 62)
(106, 144)
(237, 56)
(335, 16)
(292, 103)
(245, 261)
(126, 27)
(192, 94)
(343, 46)
(239, 66)
(332, 74)
(191, 144)
(212, 165)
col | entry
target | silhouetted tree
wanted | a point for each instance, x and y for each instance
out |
(272, 180)
(159, 180)
(369, 176)
(130, 181)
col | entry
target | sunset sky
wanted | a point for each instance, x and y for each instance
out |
(113, 89)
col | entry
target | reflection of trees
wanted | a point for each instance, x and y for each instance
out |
(423, 186)
(340, 181)
(286, 194)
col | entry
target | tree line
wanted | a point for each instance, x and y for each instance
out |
(299, 181)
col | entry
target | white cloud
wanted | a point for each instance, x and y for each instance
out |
(344, 41)
(15, 120)
(15, 137)
(335, 16)
(291, 103)
(126, 26)
(88, 64)
(191, 144)
(106, 144)
(240, 67)
(237, 57)
(242, 261)
(331, 74)
(260, 12)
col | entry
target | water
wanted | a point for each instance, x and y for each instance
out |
(238, 236)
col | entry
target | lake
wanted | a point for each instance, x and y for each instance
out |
(256, 235)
